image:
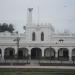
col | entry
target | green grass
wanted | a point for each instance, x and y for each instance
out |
(36, 72)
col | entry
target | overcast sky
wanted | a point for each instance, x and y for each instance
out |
(60, 13)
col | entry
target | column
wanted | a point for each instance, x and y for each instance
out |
(29, 53)
(16, 52)
(56, 54)
(43, 53)
(70, 54)
(3, 54)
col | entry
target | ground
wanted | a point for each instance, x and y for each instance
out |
(35, 71)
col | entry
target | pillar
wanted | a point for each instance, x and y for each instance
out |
(3, 54)
(29, 53)
(16, 52)
(43, 53)
(42, 49)
(70, 54)
(56, 53)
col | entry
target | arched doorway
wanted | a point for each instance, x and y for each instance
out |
(36, 53)
(22, 53)
(9, 53)
(63, 54)
(49, 53)
(73, 54)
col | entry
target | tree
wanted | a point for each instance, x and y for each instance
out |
(10, 28)
(0, 27)
(5, 27)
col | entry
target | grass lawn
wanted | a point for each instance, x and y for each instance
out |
(36, 72)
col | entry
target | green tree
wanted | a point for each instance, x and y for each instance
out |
(10, 28)
(0, 27)
(5, 27)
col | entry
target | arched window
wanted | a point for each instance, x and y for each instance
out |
(33, 36)
(42, 36)
(0, 51)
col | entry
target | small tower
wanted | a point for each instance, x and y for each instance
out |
(29, 16)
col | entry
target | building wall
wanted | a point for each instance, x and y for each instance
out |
(50, 40)
(38, 30)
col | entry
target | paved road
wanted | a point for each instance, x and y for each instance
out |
(45, 67)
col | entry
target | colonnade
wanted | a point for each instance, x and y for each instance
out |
(55, 52)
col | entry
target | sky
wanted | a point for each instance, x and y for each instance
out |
(60, 13)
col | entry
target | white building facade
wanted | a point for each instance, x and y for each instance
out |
(38, 42)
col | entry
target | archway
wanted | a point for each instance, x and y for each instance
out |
(9, 53)
(36, 53)
(22, 53)
(73, 54)
(63, 54)
(49, 53)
